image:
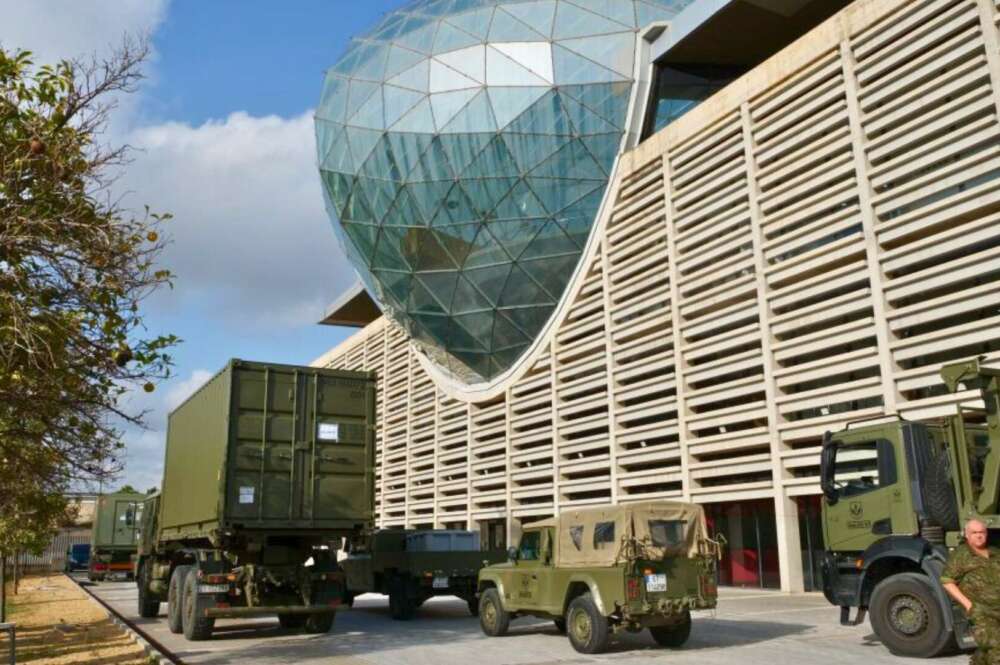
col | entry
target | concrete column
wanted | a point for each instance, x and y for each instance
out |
(786, 519)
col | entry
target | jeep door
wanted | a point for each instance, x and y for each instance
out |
(532, 572)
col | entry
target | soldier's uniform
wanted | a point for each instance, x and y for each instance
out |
(979, 579)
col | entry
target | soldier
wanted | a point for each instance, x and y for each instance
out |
(972, 579)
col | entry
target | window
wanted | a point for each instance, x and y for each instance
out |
(530, 545)
(668, 534)
(679, 87)
(863, 467)
(604, 534)
(576, 535)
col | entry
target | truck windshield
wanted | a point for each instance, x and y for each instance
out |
(864, 467)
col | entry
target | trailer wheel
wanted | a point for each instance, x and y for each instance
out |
(672, 636)
(319, 623)
(907, 616)
(197, 626)
(292, 620)
(149, 605)
(175, 594)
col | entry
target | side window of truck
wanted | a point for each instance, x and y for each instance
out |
(864, 467)
(604, 535)
(530, 545)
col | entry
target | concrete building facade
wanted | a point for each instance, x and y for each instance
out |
(802, 250)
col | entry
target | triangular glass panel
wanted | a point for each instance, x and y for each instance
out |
(523, 290)
(450, 38)
(503, 359)
(551, 273)
(371, 114)
(531, 149)
(420, 119)
(458, 240)
(338, 187)
(357, 208)
(432, 328)
(489, 281)
(333, 101)
(538, 15)
(407, 148)
(476, 117)
(546, 116)
(434, 164)
(389, 27)
(380, 195)
(359, 93)
(529, 319)
(430, 195)
(514, 235)
(401, 60)
(371, 62)
(418, 34)
(400, 245)
(475, 22)
(423, 301)
(550, 241)
(352, 56)
(536, 57)
(467, 298)
(363, 236)
(446, 104)
(478, 363)
(470, 62)
(502, 70)
(521, 202)
(335, 154)
(462, 149)
(441, 285)
(578, 219)
(486, 193)
(484, 251)
(494, 160)
(416, 77)
(437, 8)
(573, 161)
(620, 12)
(509, 103)
(571, 68)
(433, 256)
(557, 194)
(394, 282)
(445, 79)
(616, 52)
(455, 209)
(506, 28)
(398, 102)
(604, 148)
(381, 164)
(478, 326)
(507, 335)
(404, 211)
(608, 100)
(573, 21)
(646, 14)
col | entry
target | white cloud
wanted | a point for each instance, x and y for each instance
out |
(251, 241)
(180, 392)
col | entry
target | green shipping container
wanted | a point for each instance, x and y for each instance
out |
(116, 521)
(270, 448)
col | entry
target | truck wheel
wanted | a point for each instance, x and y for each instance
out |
(292, 620)
(907, 617)
(401, 607)
(319, 623)
(149, 606)
(473, 604)
(587, 628)
(197, 626)
(673, 636)
(175, 594)
(349, 598)
(493, 618)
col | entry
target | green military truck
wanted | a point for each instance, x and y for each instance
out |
(267, 468)
(114, 536)
(602, 570)
(895, 496)
(411, 566)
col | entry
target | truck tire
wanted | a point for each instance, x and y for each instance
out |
(673, 636)
(149, 605)
(586, 627)
(401, 606)
(292, 620)
(319, 623)
(907, 616)
(197, 626)
(175, 596)
(939, 493)
(493, 618)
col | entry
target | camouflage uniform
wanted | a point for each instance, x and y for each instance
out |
(979, 579)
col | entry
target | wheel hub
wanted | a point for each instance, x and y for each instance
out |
(489, 615)
(580, 623)
(908, 615)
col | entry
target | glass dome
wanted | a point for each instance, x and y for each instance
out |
(464, 148)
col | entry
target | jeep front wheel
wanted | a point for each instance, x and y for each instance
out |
(493, 618)
(907, 616)
(675, 635)
(586, 626)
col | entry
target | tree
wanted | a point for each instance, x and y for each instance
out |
(75, 267)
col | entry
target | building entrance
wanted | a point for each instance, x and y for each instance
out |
(750, 556)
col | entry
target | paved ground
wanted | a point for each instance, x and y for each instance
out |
(757, 628)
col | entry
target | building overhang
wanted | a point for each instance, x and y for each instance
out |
(355, 308)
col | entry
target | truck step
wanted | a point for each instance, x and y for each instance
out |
(845, 616)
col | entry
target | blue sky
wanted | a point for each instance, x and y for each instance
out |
(223, 131)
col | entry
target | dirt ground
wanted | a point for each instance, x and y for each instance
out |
(57, 624)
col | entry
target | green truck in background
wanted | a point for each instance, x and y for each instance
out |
(267, 468)
(114, 536)
(602, 570)
(895, 498)
(411, 566)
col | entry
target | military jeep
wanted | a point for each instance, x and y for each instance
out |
(601, 570)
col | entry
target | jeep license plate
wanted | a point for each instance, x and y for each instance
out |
(656, 583)
(440, 583)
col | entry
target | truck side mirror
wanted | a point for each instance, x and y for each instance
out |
(512, 554)
(828, 459)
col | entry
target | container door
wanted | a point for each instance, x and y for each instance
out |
(125, 522)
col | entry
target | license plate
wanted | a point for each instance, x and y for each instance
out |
(656, 583)
(213, 588)
(440, 583)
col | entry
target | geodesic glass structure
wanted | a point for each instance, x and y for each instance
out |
(464, 148)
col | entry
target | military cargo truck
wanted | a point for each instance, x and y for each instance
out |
(895, 496)
(601, 570)
(267, 468)
(411, 566)
(114, 535)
